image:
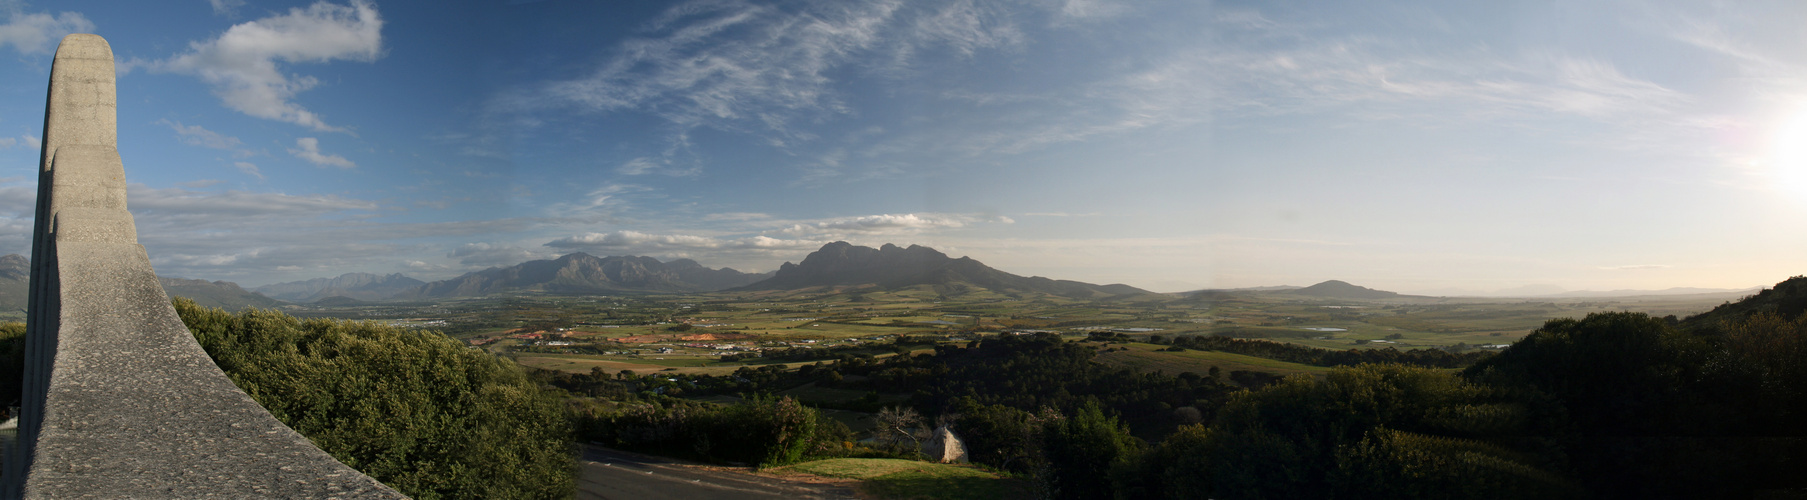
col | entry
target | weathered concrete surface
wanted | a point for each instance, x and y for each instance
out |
(119, 400)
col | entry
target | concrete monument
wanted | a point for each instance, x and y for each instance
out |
(119, 401)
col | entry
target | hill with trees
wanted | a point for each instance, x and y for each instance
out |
(1336, 289)
(221, 294)
(414, 409)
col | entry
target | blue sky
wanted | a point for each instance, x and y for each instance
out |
(1410, 146)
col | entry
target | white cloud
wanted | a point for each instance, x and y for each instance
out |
(758, 68)
(310, 151)
(241, 64)
(32, 141)
(244, 235)
(228, 8)
(7, 142)
(600, 201)
(1258, 67)
(249, 169)
(484, 255)
(37, 33)
(182, 202)
(645, 165)
(195, 135)
(635, 239)
(889, 224)
(1091, 9)
(712, 251)
(736, 216)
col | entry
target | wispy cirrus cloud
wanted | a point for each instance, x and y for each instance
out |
(232, 234)
(773, 71)
(178, 202)
(1364, 77)
(228, 8)
(308, 148)
(195, 135)
(242, 63)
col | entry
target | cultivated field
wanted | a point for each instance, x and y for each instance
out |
(719, 332)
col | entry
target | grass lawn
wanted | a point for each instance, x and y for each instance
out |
(886, 478)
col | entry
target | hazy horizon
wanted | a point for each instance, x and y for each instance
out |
(1403, 146)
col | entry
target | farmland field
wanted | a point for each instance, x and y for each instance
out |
(720, 332)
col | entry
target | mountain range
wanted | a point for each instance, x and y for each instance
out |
(835, 265)
(585, 273)
(361, 286)
(891, 267)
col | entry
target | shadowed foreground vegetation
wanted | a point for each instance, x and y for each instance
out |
(1612, 405)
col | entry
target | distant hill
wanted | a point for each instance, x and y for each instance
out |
(222, 294)
(1342, 290)
(584, 273)
(844, 264)
(1220, 291)
(712, 279)
(15, 275)
(361, 286)
(1787, 299)
(339, 301)
(1638, 293)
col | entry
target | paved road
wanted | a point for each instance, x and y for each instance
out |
(617, 475)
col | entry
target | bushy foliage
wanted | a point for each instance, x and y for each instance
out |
(998, 435)
(1432, 358)
(415, 410)
(1368, 431)
(1029, 372)
(1655, 411)
(1085, 452)
(764, 432)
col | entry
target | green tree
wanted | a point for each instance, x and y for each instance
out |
(1084, 452)
(415, 410)
(1391, 431)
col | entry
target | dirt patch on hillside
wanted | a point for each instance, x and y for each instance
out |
(646, 339)
(716, 336)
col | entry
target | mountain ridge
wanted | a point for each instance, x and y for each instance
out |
(361, 286)
(844, 264)
(584, 273)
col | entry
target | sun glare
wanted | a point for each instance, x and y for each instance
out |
(1788, 157)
